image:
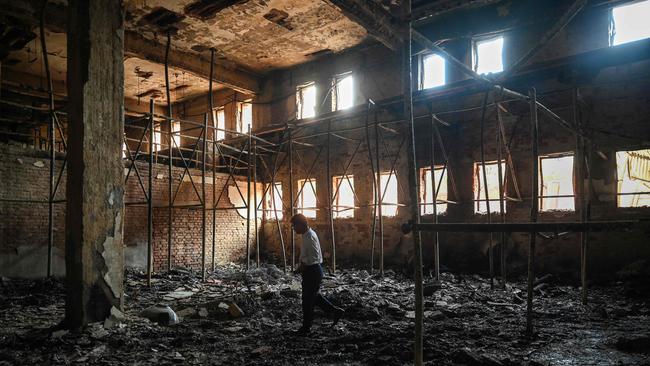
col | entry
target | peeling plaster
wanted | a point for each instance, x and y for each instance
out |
(111, 248)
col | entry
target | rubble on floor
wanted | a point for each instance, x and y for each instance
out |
(238, 317)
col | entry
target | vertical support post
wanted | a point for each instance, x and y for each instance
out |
(407, 85)
(203, 195)
(95, 185)
(485, 188)
(502, 211)
(257, 234)
(293, 236)
(379, 198)
(170, 155)
(329, 193)
(214, 160)
(150, 197)
(373, 179)
(434, 194)
(581, 195)
(533, 209)
(52, 138)
(248, 200)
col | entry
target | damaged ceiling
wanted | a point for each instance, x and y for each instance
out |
(260, 34)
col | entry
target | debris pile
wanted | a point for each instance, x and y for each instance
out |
(238, 317)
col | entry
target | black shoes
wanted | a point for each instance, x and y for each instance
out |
(338, 314)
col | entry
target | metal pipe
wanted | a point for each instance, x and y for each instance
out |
(485, 188)
(257, 236)
(205, 199)
(502, 212)
(407, 85)
(434, 197)
(214, 160)
(533, 227)
(150, 202)
(379, 198)
(52, 136)
(293, 236)
(533, 209)
(329, 195)
(375, 186)
(170, 155)
(248, 202)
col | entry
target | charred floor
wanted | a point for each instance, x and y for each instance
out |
(451, 182)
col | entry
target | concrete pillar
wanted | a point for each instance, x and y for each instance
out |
(95, 185)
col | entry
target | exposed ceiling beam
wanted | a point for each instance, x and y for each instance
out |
(430, 11)
(370, 15)
(229, 74)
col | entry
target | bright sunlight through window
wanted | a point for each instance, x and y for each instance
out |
(433, 71)
(488, 55)
(630, 23)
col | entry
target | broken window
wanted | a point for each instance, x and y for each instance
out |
(342, 92)
(426, 190)
(633, 175)
(556, 183)
(344, 196)
(273, 201)
(156, 137)
(219, 120)
(432, 71)
(306, 101)
(492, 175)
(488, 55)
(307, 197)
(176, 133)
(389, 202)
(244, 116)
(629, 23)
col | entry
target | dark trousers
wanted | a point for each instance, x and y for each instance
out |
(312, 276)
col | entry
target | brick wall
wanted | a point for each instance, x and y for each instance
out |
(23, 226)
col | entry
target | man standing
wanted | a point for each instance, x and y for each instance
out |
(312, 275)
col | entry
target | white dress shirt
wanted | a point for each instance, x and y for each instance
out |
(310, 253)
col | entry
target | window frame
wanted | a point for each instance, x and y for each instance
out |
(157, 137)
(478, 189)
(176, 133)
(475, 56)
(540, 184)
(387, 207)
(300, 206)
(300, 91)
(612, 23)
(441, 208)
(273, 192)
(348, 211)
(336, 81)
(219, 123)
(422, 70)
(240, 116)
(619, 182)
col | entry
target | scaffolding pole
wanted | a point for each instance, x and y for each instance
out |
(248, 202)
(203, 194)
(170, 155)
(502, 211)
(329, 194)
(214, 160)
(375, 188)
(379, 197)
(485, 187)
(150, 197)
(257, 234)
(407, 85)
(434, 194)
(292, 211)
(533, 209)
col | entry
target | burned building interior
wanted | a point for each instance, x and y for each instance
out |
(477, 173)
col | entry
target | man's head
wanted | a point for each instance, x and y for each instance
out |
(299, 223)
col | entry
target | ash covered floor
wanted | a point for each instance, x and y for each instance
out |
(466, 323)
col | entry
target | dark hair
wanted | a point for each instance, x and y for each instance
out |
(299, 219)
